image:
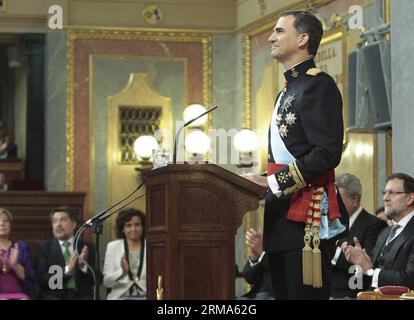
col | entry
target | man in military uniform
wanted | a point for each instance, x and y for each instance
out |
(305, 145)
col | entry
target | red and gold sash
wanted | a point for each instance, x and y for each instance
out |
(305, 207)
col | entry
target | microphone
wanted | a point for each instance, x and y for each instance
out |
(98, 217)
(186, 124)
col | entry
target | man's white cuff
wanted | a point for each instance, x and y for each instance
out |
(273, 185)
(252, 264)
(375, 277)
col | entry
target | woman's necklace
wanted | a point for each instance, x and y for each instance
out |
(3, 261)
(4, 247)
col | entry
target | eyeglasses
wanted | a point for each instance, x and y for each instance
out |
(392, 193)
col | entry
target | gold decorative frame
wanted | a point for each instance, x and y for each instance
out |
(124, 34)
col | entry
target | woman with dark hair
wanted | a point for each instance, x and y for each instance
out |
(124, 267)
(16, 270)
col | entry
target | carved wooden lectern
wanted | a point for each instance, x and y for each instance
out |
(193, 212)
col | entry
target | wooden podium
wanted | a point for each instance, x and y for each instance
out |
(193, 213)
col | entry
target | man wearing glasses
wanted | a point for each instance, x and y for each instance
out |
(392, 260)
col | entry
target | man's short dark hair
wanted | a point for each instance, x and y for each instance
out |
(305, 22)
(408, 182)
(124, 216)
(72, 213)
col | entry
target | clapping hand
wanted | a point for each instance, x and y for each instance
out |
(83, 257)
(14, 256)
(124, 265)
(254, 241)
(357, 255)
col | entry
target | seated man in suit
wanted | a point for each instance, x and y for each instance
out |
(77, 282)
(392, 260)
(256, 271)
(362, 225)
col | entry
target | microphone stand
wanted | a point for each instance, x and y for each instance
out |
(186, 124)
(97, 228)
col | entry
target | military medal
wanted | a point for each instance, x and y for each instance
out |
(278, 118)
(288, 102)
(4, 267)
(283, 130)
(290, 118)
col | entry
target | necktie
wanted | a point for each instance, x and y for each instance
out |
(70, 284)
(66, 251)
(393, 231)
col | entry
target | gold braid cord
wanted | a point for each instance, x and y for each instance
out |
(307, 250)
(311, 259)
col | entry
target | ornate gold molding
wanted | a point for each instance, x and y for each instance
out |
(125, 34)
(246, 80)
(70, 133)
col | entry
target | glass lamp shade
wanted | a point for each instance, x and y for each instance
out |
(197, 142)
(192, 111)
(144, 145)
(245, 141)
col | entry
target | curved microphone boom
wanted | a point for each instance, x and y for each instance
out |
(186, 124)
(92, 220)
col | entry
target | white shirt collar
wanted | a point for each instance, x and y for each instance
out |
(70, 240)
(404, 221)
(354, 216)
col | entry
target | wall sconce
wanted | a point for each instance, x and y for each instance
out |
(198, 144)
(143, 147)
(245, 142)
(192, 111)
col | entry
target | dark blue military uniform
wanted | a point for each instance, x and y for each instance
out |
(310, 123)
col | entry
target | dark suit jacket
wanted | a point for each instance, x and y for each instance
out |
(259, 277)
(50, 254)
(366, 228)
(398, 269)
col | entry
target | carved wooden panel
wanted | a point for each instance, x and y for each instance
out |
(205, 211)
(204, 270)
(156, 203)
(243, 203)
(156, 254)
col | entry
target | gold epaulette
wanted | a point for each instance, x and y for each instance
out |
(313, 71)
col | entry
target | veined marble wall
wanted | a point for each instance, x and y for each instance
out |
(55, 111)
